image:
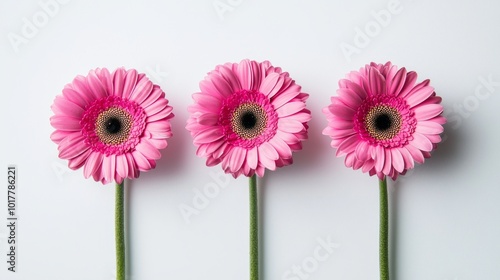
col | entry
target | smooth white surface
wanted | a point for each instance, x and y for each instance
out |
(445, 216)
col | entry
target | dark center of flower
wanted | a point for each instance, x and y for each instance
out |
(382, 122)
(249, 120)
(113, 126)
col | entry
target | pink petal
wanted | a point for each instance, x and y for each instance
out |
(342, 111)
(164, 114)
(419, 96)
(106, 80)
(118, 81)
(304, 116)
(154, 95)
(290, 125)
(339, 133)
(81, 86)
(159, 129)
(129, 83)
(81, 100)
(387, 162)
(122, 166)
(252, 157)
(411, 78)
(376, 83)
(244, 73)
(349, 160)
(257, 75)
(379, 158)
(440, 120)
(72, 146)
(237, 157)
(108, 167)
(407, 158)
(148, 150)
(397, 160)
(209, 119)
(79, 160)
(421, 142)
(435, 138)
(361, 151)
(58, 135)
(426, 112)
(142, 162)
(209, 135)
(93, 164)
(289, 138)
(290, 108)
(63, 106)
(362, 94)
(142, 90)
(231, 78)
(368, 165)
(96, 86)
(429, 127)
(269, 83)
(277, 86)
(221, 85)
(341, 124)
(207, 101)
(349, 98)
(348, 145)
(281, 147)
(415, 153)
(65, 123)
(156, 107)
(395, 84)
(133, 169)
(260, 170)
(284, 97)
(267, 150)
(267, 162)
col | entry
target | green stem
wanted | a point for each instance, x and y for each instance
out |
(254, 230)
(119, 231)
(384, 231)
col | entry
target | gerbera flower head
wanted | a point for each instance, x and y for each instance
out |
(249, 116)
(383, 121)
(112, 124)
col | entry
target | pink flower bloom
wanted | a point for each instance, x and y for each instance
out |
(383, 121)
(248, 116)
(112, 124)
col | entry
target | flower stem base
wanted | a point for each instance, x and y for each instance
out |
(384, 231)
(254, 230)
(120, 231)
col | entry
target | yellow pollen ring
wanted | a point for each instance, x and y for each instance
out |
(389, 113)
(122, 135)
(260, 120)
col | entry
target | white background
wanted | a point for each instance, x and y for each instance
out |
(445, 216)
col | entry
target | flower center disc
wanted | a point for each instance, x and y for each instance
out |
(249, 120)
(113, 126)
(383, 122)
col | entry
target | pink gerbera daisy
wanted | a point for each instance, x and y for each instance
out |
(383, 121)
(112, 124)
(249, 116)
